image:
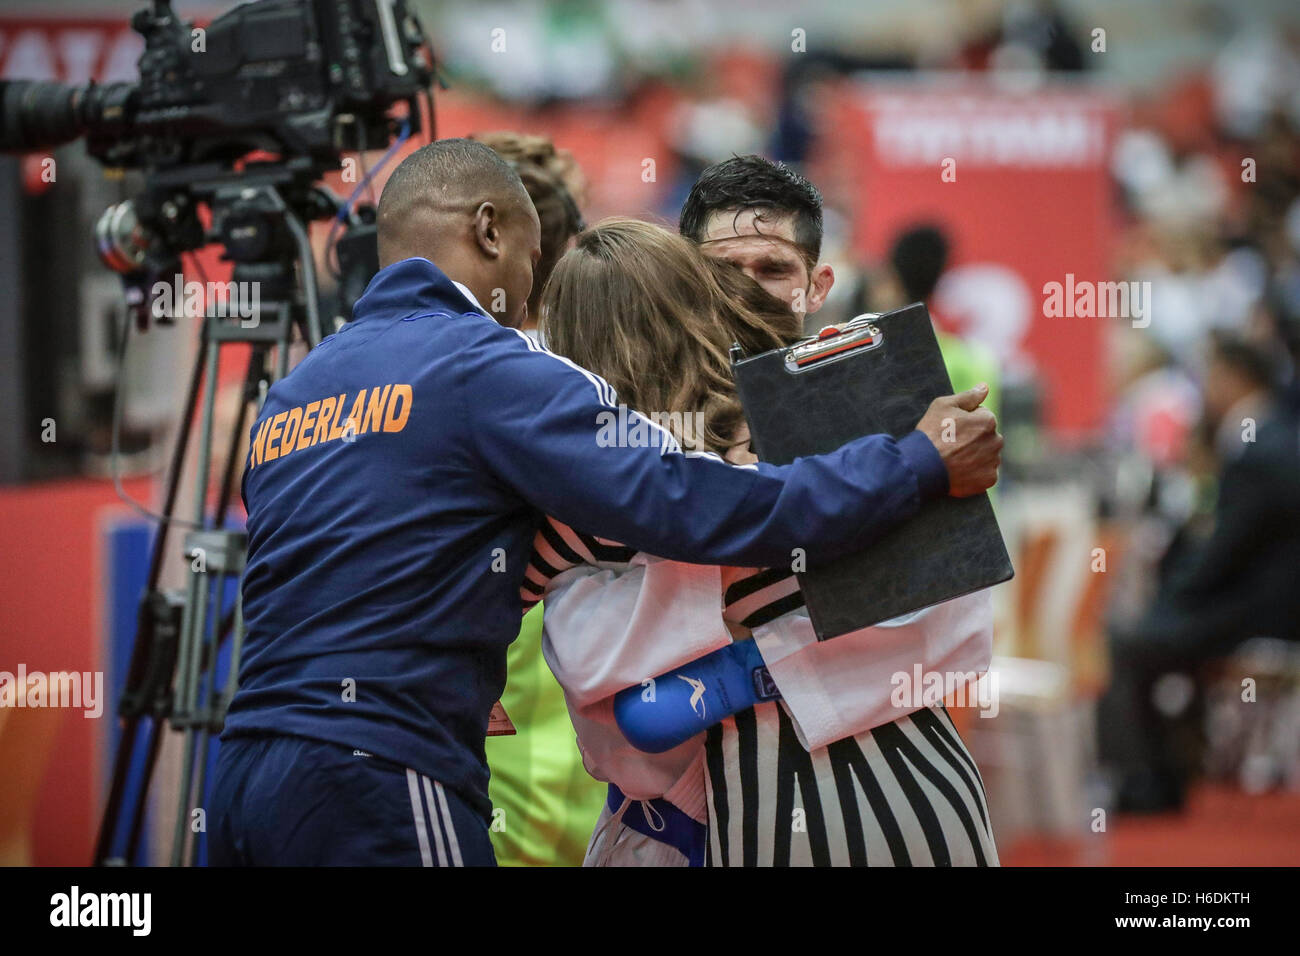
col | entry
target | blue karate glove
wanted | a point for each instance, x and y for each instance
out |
(674, 707)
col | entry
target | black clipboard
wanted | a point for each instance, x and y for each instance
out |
(875, 374)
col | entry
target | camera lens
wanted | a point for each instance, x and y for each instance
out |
(35, 114)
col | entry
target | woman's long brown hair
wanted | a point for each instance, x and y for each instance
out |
(644, 309)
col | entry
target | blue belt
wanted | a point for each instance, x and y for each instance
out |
(680, 831)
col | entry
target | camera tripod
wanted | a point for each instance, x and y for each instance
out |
(172, 676)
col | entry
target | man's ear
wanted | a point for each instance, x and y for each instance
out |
(819, 286)
(487, 230)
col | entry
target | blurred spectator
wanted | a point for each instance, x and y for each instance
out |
(1255, 73)
(1157, 403)
(918, 258)
(1242, 582)
(1029, 35)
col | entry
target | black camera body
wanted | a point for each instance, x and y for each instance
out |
(307, 78)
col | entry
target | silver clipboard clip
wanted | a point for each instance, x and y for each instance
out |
(835, 342)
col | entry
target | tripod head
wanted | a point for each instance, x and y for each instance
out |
(258, 215)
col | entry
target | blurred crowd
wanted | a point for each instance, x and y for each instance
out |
(1204, 427)
(1197, 465)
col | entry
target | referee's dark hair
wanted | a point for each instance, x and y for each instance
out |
(752, 182)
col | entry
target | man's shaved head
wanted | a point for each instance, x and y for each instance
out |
(460, 205)
(444, 178)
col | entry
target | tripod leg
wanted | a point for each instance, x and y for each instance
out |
(205, 712)
(307, 266)
(256, 373)
(183, 715)
(178, 463)
(141, 650)
(151, 760)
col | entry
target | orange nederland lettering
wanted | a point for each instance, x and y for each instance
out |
(382, 409)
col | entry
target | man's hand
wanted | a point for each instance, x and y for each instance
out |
(967, 439)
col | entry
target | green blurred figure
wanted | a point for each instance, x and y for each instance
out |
(544, 803)
(969, 364)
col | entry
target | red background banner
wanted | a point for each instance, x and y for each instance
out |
(1026, 199)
